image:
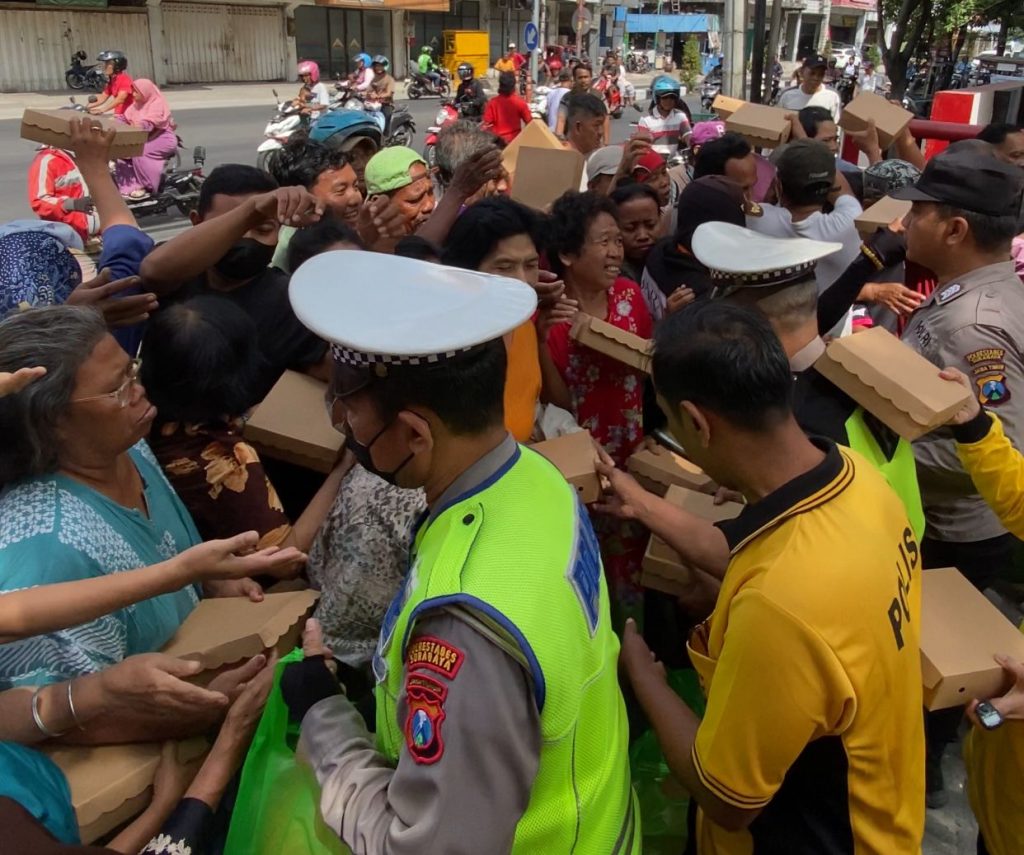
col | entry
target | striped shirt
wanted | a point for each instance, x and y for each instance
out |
(667, 131)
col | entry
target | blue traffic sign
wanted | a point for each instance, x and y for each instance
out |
(530, 36)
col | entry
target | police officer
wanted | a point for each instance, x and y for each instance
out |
(963, 220)
(500, 724)
(964, 217)
(778, 276)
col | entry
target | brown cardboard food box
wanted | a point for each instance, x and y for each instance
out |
(537, 134)
(226, 630)
(663, 569)
(53, 127)
(892, 382)
(890, 118)
(611, 341)
(764, 127)
(960, 633)
(726, 106)
(544, 174)
(292, 424)
(658, 469)
(110, 784)
(879, 215)
(574, 455)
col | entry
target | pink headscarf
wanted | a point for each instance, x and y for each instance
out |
(149, 106)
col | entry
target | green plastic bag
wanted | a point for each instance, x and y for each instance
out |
(663, 801)
(278, 806)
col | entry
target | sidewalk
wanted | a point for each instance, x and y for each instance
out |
(192, 96)
(199, 96)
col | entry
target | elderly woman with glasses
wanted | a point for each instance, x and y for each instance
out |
(83, 495)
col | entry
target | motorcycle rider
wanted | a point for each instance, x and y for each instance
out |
(469, 97)
(319, 98)
(117, 95)
(427, 66)
(362, 77)
(57, 192)
(667, 124)
(381, 95)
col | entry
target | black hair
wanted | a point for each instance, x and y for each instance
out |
(302, 161)
(466, 392)
(629, 191)
(811, 118)
(714, 154)
(571, 217)
(583, 106)
(726, 358)
(990, 232)
(314, 239)
(200, 358)
(506, 83)
(233, 179)
(419, 248)
(997, 132)
(583, 65)
(480, 228)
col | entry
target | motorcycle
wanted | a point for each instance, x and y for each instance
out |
(80, 77)
(446, 115)
(612, 93)
(179, 188)
(637, 62)
(845, 87)
(539, 103)
(419, 84)
(709, 91)
(286, 121)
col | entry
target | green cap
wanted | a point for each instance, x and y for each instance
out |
(388, 169)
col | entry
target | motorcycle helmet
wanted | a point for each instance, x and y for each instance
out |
(380, 59)
(665, 85)
(115, 56)
(465, 71)
(343, 129)
(426, 49)
(363, 58)
(311, 68)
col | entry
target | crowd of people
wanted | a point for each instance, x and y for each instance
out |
(483, 652)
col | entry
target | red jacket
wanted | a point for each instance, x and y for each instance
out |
(52, 178)
(506, 114)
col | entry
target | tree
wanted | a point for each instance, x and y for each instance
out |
(689, 68)
(911, 18)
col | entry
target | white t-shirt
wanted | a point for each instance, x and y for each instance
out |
(320, 96)
(837, 227)
(555, 97)
(667, 131)
(796, 99)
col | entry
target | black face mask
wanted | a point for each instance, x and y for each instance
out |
(247, 259)
(362, 455)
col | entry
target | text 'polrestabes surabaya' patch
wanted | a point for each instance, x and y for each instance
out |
(426, 651)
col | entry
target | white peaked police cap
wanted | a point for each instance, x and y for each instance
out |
(749, 259)
(382, 310)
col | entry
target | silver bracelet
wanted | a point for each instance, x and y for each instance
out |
(43, 729)
(71, 706)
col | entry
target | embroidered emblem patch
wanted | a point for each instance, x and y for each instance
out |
(425, 697)
(948, 293)
(426, 651)
(992, 389)
(584, 573)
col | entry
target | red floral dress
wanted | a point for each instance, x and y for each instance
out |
(607, 399)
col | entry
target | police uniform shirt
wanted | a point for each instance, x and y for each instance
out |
(811, 665)
(976, 324)
(471, 796)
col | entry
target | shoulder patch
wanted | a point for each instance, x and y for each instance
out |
(584, 573)
(948, 293)
(434, 654)
(425, 697)
(992, 389)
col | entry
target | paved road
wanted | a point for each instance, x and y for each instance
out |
(230, 136)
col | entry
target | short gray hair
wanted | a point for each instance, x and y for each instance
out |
(456, 144)
(59, 338)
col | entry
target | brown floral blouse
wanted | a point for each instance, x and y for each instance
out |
(220, 478)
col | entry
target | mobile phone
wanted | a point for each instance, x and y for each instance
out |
(988, 715)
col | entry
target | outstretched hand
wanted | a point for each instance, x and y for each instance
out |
(971, 409)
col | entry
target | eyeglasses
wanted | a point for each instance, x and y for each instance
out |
(123, 393)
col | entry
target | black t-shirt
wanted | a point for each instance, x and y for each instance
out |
(283, 341)
(471, 95)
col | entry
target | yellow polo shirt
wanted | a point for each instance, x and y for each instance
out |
(811, 666)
